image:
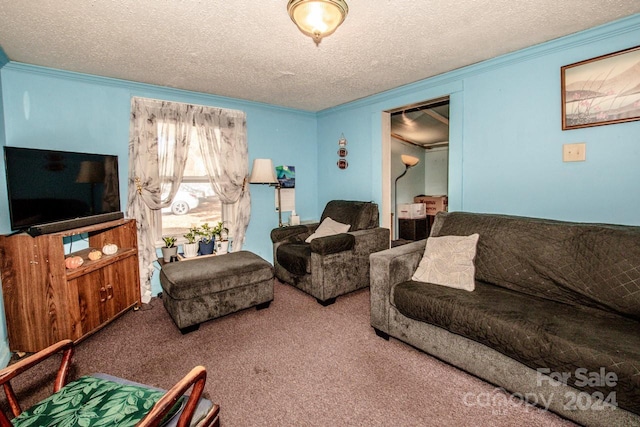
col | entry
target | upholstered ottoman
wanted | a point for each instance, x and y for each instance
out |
(198, 290)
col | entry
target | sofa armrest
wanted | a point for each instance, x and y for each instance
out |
(389, 268)
(371, 240)
(363, 241)
(284, 233)
(333, 244)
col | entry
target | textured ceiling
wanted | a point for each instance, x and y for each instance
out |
(250, 49)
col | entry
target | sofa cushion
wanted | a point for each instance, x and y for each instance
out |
(448, 261)
(537, 332)
(581, 264)
(328, 227)
(295, 257)
(91, 401)
(186, 280)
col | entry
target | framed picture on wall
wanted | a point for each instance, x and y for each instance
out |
(602, 90)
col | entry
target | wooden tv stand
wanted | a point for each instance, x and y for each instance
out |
(45, 302)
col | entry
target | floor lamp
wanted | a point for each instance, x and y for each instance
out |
(263, 172)
(409, 162)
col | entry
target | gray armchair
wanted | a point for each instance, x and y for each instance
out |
(330, 266)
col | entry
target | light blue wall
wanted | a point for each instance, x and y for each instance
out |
(436, 163)
(506, 138)
(354, 182)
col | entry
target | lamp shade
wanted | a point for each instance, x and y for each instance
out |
(409, 161)
(263, 172)
(317, 18)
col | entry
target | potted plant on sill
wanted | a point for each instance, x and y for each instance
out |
(221, 234)
(169, 249)
(207, 239)
(191, 247)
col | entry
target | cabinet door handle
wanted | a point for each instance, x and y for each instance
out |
(109, 291)
(103, 294)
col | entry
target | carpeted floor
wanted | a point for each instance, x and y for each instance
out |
(297, 364)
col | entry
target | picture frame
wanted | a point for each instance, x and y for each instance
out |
(602, 90)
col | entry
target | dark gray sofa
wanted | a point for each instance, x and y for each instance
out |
(330, 266)
(550, 297)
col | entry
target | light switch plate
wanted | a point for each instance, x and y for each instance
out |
(574, 152)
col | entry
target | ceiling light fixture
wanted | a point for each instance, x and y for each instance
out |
(317, 18)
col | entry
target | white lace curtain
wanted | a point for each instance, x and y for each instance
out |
(223, 144)
(159, 137)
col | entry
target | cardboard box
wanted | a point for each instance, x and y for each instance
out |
(433, 204)
(412, 211)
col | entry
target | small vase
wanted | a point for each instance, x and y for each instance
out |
(206, 248)
(190, 249)
(167, 253)
(222, 247)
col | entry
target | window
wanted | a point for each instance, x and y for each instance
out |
(195, 202)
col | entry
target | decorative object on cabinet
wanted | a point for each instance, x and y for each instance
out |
(110, 249)
(317, 18)
(598, 91)
(98, 394)
(263, 172)
(343, 164)
(342, 152)
(342, 142)
(45, 302)
(73, 262)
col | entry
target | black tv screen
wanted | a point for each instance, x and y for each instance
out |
(46, 186)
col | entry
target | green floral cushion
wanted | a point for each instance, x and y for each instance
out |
(91, 401)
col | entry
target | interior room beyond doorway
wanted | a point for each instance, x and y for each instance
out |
(420, 131)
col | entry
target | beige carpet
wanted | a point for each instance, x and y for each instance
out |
(299, 364)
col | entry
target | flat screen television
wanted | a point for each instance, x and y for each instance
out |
(58, 187)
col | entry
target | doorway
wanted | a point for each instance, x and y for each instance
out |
(420, 131)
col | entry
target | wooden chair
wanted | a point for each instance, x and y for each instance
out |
(167, 402)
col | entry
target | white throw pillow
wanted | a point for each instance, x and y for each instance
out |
(448, 261)
(329, 227)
